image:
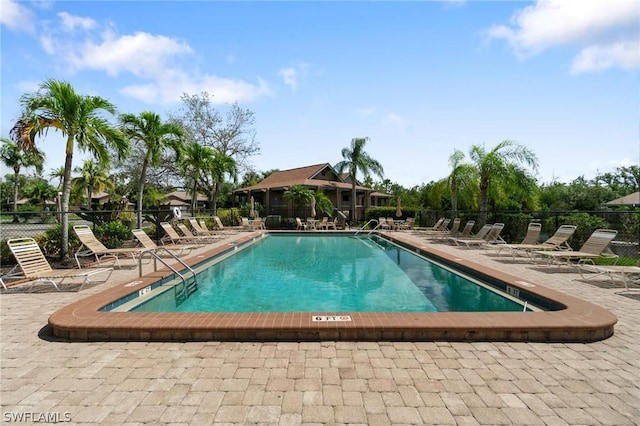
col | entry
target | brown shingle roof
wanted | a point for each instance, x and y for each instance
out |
(300, 176)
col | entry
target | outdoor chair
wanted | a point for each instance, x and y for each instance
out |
(558, 241)
(533, 233)
(300, 225)
(33, 265)
(627, 273)
(172, 236)
(193, 238)
(595, 247)
(93, 247)
(199, 230)
(491, 237)
(149, 244)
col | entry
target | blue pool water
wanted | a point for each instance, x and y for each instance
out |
(292, 273)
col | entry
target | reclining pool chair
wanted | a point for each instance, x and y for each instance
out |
(558, 241)
(35, 267)
(93, 247)
(595, 247)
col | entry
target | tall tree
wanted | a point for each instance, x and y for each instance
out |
(233, 136)
(221, 166)
(503, 162)
(13, 156)
(355, 160)
(57, 174)
(155, 135)
(196, 160)
(80, 119)
(93, 177)
(461, 179)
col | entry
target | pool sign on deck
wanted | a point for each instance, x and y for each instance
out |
(341, 318)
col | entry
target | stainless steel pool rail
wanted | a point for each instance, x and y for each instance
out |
(367, 224)
(187, 289)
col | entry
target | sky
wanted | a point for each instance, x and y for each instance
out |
(420, 79)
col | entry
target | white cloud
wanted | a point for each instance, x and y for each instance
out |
(70, 22)
(167, 88)
(156, 60)
(290, 77)
(605, 31)
(597, 58)
(141, 54)
(15, 16)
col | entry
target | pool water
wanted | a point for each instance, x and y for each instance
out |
(336, 273)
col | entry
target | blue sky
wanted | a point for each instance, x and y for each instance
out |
(420, 79)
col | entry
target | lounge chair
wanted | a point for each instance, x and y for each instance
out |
(148, 243)
(219, 226)
(195, 238)
(172, 236)
(199, 230)
(558, 241)
(450, 232)
(593, 248)
(466, 231)
(531, 238)
(93, 247)
(443, 227)
(628, 274)
(35, 267)
(434, 227)
(491, 238)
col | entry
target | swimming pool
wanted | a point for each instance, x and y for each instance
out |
(565, 318)
(335, 273)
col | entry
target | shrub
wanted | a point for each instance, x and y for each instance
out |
(50, 241)
(112, 234)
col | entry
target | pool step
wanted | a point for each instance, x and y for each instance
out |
(183, 292)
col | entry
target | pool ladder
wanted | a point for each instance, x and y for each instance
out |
(187, 287)
(367, 224)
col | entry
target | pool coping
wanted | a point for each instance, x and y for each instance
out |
(579, 321)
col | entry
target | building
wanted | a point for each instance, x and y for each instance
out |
(269, 193)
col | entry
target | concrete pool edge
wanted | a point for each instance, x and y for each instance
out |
(580, 321)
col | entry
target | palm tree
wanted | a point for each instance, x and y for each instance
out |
(219, 167)
(357, 160)
(462, 177)
(80, 119)
(156, 135)
(196, 160)
(92, 178)
(298, 195)
(58, 174)
(501, 163)
(14, 157)
(40, 190)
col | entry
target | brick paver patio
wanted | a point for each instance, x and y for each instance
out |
(367, 383)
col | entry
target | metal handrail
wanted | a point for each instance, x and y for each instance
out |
(367, 224)
(153, 252)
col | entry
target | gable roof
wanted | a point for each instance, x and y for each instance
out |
(627, 200)
(320, 176)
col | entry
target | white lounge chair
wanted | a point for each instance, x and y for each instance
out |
(93, 247)
(33, 266)
(593, 248)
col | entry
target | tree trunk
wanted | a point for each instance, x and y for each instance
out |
(354, 217)
(64, 214)
(483, 202)
(143, 176)
(15, 193)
